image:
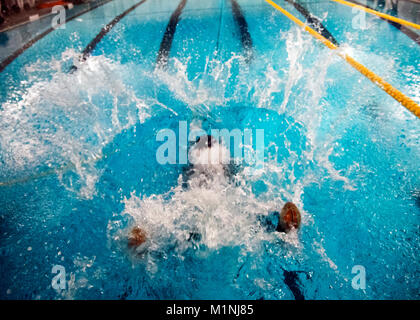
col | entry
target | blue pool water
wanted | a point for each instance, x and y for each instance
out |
(78, 161)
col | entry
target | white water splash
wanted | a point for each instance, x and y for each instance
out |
(67, 120)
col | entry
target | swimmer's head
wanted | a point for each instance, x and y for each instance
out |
(289, 218)
(209, 161)
(205, 141)
(208, 151)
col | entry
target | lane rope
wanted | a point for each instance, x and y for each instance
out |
(385, 86)
(379, 14)
(409, 32)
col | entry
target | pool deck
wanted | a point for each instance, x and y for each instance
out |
(27, 16)
(30, 15)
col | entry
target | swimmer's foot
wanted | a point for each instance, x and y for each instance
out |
(136, 237)
(289, 218)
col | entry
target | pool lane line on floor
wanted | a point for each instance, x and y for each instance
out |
(104, 31)
(313, 21)
(379, 14)
(246, 39)
(408, 32)
(219, 32)
(168, 37)
(407, 102)
(31, 42)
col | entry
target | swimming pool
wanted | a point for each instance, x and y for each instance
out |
(78, 155)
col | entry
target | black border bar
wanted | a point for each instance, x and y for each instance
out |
(261, 309)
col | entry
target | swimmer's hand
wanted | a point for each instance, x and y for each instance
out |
(289, 218)
(136, 237)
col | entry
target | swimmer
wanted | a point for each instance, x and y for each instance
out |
(210, 161)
